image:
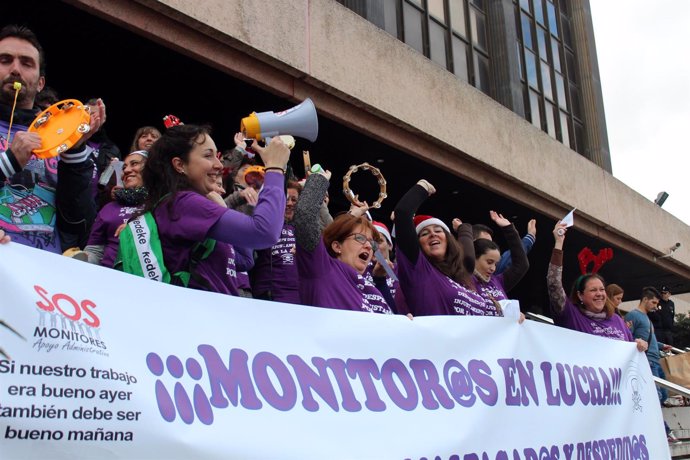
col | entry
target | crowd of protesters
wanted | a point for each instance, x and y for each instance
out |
(234, 222)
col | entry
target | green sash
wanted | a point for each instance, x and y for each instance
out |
(140, 251)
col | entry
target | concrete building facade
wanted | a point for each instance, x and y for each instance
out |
(364, 78)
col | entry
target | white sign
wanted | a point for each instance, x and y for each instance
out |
(101, 364)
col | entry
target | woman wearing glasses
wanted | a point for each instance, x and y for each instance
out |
(331, 266)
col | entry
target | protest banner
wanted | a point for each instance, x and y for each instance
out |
(101, 364)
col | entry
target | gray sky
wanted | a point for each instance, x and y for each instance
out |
(644, 60)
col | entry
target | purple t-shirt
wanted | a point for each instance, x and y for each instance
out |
(188, 223)
(393, 285)
(109, 218)
(327, 282)
(494, 289)
(429, 292)
(243, 281)
(613, 327)
(275, 270)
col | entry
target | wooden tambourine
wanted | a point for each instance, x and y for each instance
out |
(60, 126)
(354, 199)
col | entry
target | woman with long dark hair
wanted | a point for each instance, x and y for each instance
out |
(182, 172)
(490, 285)
(435, 270)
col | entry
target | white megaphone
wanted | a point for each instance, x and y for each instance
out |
(300, 121)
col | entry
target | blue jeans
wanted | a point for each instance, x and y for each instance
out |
(657, 371)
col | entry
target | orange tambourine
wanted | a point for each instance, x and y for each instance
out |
(254, 176)
(61, 126)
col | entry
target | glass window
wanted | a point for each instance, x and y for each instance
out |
(579, 138)
(550, 119)
(416, 2)
(570, 64)
(479, 4)
(527, 31)
(412, 23)
(478, 28)
(437, 43)
(541, 42)
(575, 102)
(546, 81)
(524, 4)
(390, 18)
(553, 23)
(560, 91)
(539, 12)
(436, 9)
(556, 54)
(481, 73)
(521, 64)
(531, 68)
(457, 16)
(534, 108)
(567, 39)
(565, 131)
(460, 59)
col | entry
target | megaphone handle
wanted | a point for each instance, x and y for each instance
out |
(307, 161)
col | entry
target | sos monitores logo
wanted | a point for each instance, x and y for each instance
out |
(67, 323)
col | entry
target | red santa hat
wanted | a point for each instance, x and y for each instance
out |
(422, 221)
(383, 230)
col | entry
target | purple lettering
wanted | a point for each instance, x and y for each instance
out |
(596, 398)
(223, 380)
(310, 380)
(428, 382)
(607, 387)
(366, 370)
(581, 377)
(564, 373)
(644, 453)
(262, 363)
(349, 403)
(486, 387)
(394, 367)
(553, 397)
(459, 383)
(512, 393)
(568, 449)
(525, 377)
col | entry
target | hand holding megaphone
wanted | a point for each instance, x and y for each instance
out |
(300, 121)
(274, 155)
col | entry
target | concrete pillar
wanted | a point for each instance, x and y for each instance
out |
(596, 143)
(502, 36)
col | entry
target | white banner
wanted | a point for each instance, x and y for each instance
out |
(100, 364)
